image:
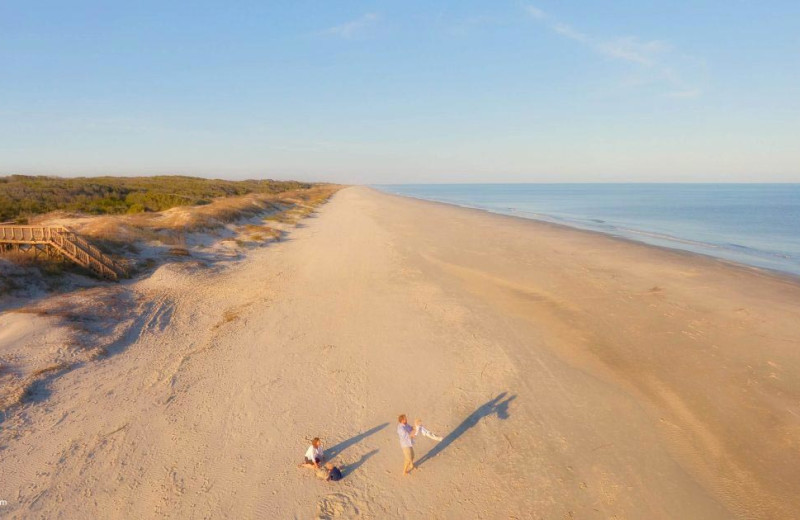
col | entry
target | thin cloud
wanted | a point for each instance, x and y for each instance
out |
(633, 50)
(535, 12)
(570, 32)
(656, 55)
(353, 28)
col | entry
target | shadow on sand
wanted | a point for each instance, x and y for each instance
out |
(335, 451)
(350, 468)
(498, 405)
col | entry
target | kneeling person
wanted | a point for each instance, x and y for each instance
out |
(315, 455)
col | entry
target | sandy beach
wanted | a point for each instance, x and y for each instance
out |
(571, 374)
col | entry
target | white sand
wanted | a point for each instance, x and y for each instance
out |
(573, 375)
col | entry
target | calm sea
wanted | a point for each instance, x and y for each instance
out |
(754, 224)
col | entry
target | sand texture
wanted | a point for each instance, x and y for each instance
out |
(572, 375)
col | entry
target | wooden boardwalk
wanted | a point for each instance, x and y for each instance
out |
(58, 240)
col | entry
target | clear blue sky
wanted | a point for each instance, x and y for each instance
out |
(372, 92)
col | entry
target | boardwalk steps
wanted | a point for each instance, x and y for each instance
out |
(61, 241)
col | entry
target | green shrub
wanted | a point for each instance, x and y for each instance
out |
(23, 196)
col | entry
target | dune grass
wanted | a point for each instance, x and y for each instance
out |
(250, 216)
(22, 197)
(118, 234)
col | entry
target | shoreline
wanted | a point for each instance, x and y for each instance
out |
(574, 226)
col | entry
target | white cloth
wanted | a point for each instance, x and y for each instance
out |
(313, 453)
(421, 430)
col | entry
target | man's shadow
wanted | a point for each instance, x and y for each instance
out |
(498, 405)
(334, 451)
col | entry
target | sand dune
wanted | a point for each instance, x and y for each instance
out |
(571, 375)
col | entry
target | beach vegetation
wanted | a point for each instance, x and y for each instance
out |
(22, 196)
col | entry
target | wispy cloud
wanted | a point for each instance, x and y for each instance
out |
(535, 12)
(656, 57)
(631, 49)
(353, 28)
(570, 32)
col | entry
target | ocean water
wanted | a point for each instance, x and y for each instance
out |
(752, 224)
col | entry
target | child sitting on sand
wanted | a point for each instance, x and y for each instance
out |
(421, 430)
(329, 473)
(334, 473)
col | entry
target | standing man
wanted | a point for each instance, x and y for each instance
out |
(406, 434)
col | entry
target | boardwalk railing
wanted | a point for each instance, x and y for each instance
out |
(64, 242)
